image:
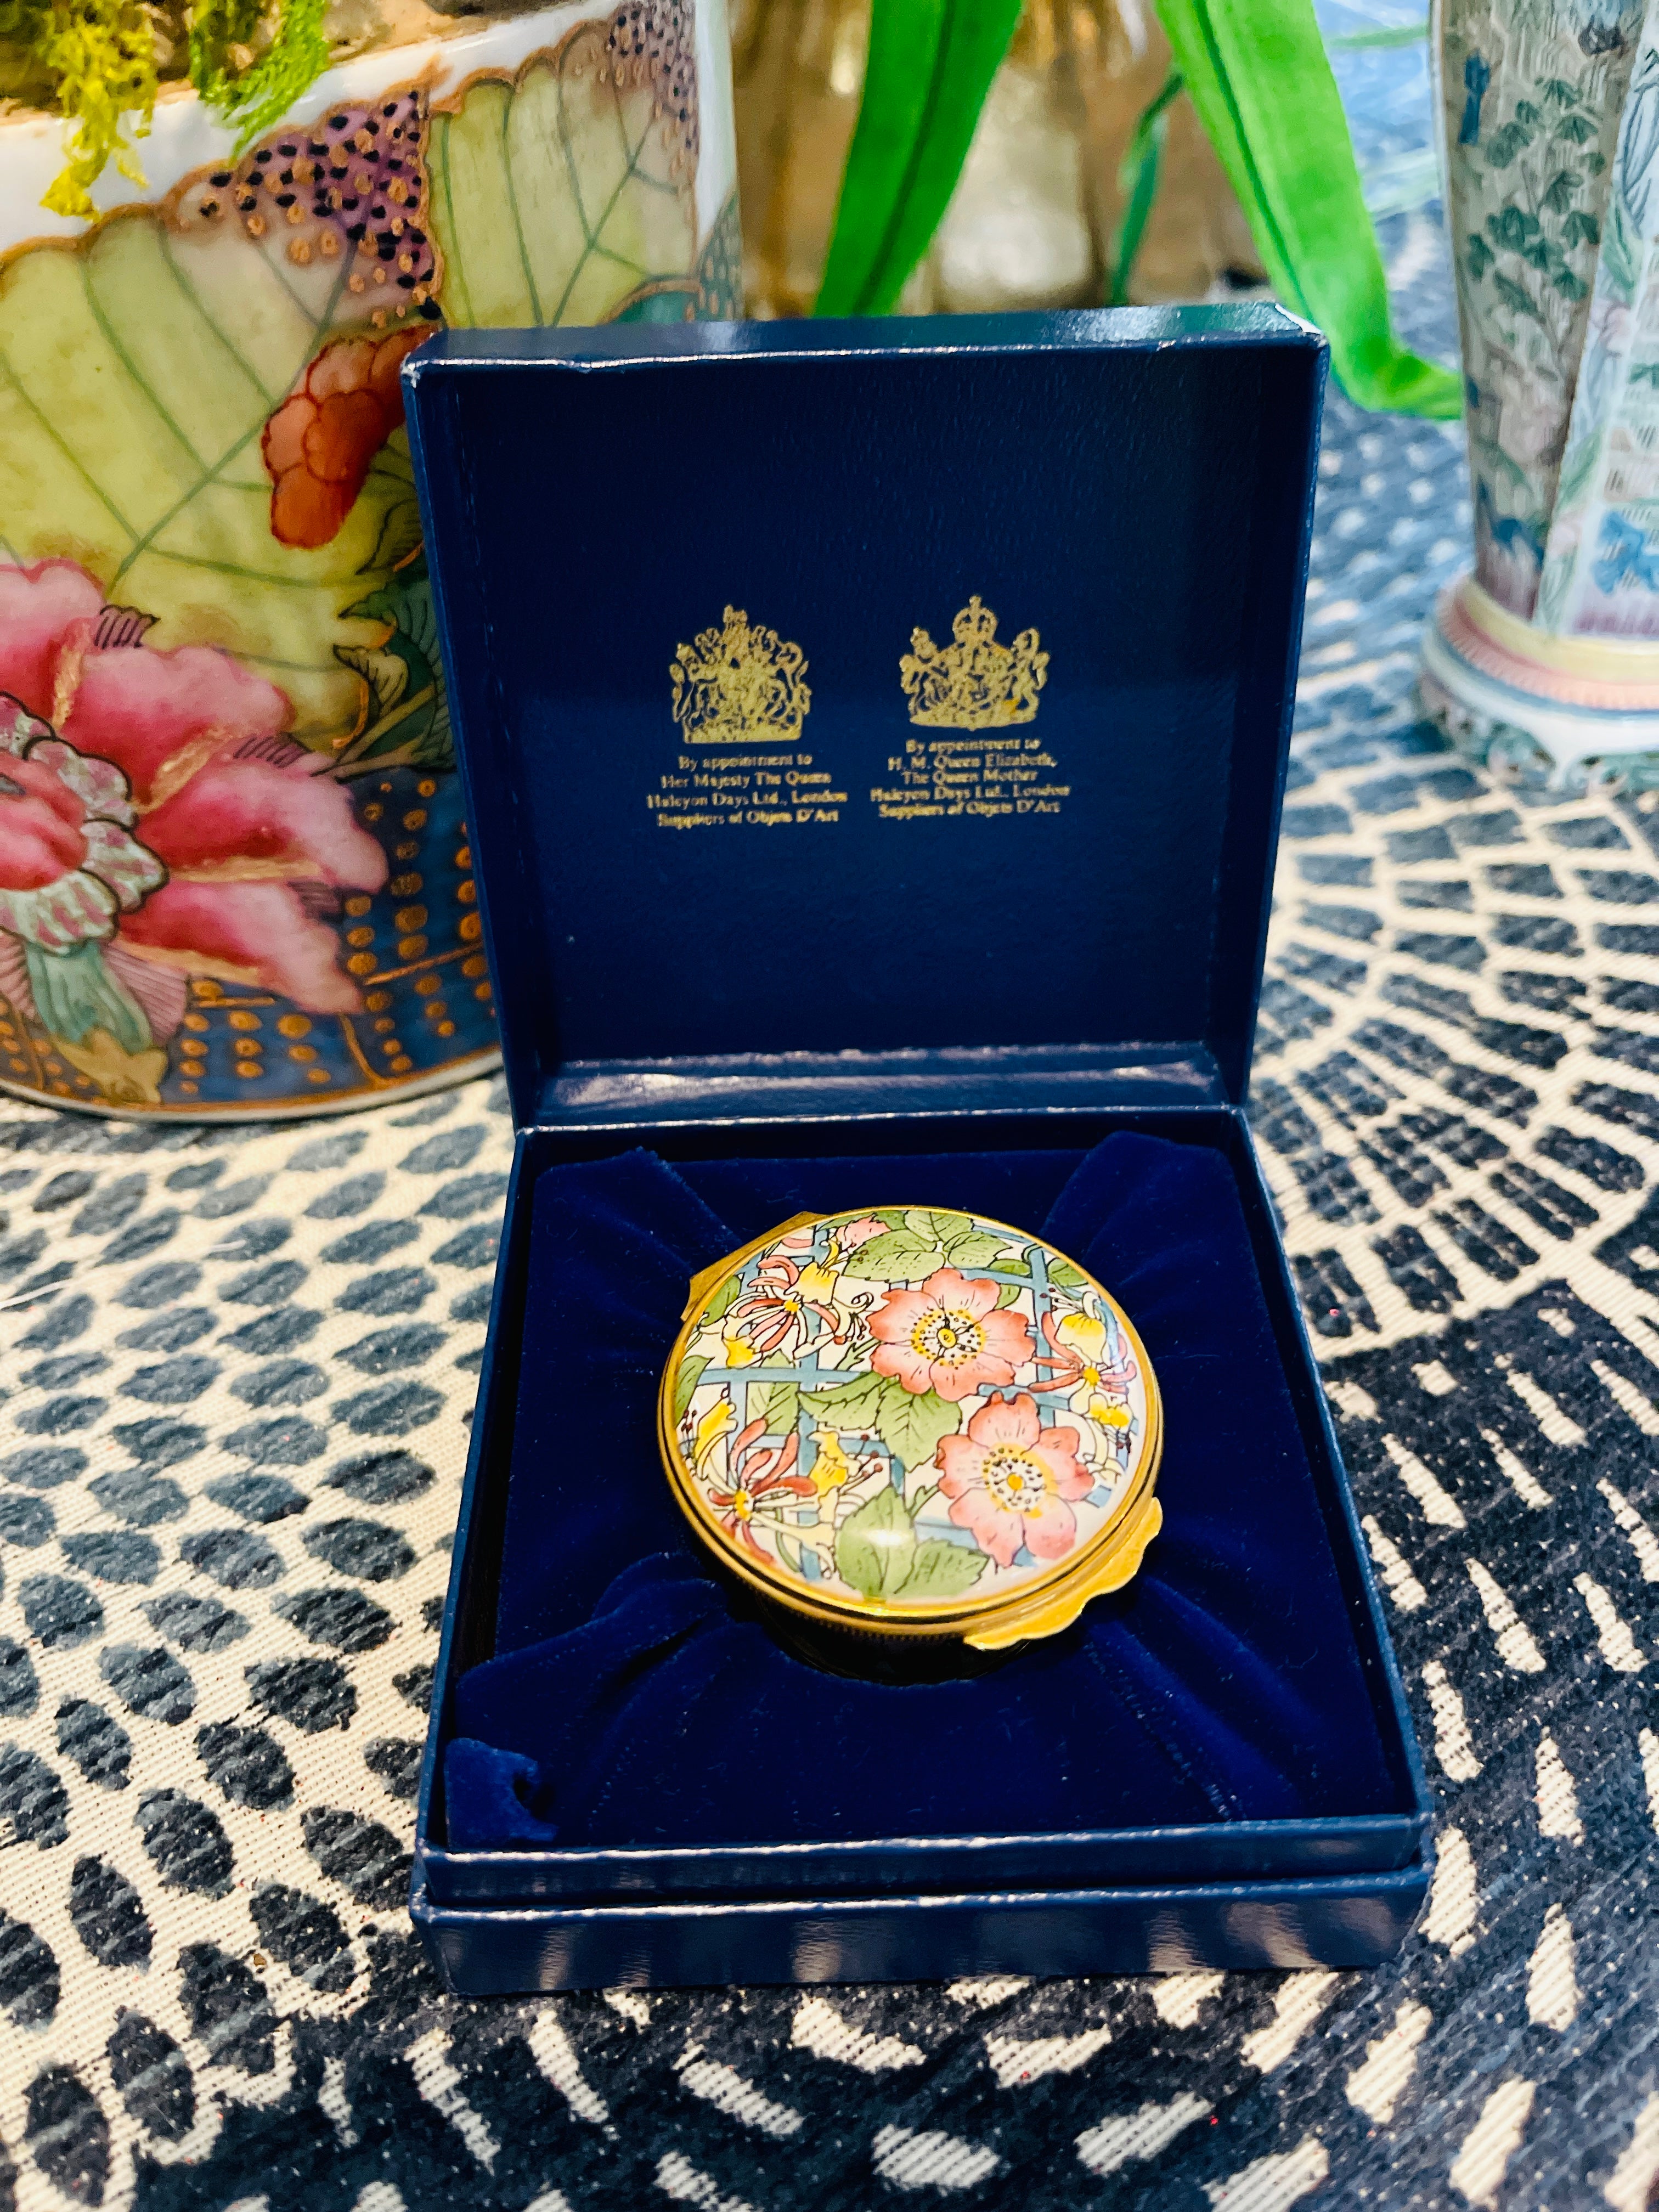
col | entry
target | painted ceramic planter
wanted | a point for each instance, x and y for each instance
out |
(1544, 662)
(910, 1425)
(234, 876)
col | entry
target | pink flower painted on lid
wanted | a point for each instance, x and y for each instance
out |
(949, 1336)
(852, 1234)
(1009, 1481)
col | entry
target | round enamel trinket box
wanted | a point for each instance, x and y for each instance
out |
(910, 1433)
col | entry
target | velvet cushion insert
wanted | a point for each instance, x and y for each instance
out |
(630, 1702)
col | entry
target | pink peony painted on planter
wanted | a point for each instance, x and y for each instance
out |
(235, 875)
(155, 825)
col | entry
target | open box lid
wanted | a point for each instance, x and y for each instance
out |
(747, 845)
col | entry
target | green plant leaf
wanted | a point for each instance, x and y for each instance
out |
(897, 1256)
(1138, 181)
(1259, 79)
(930, 66)
(1065, 1277)
(685, 1383)
(1406, 34)
(777, 1404)
(911, 1423)
(562, 194)
(875, 1545)
(1008, 1293)
(932, 1228)
(941, 1569)
(848, 1405)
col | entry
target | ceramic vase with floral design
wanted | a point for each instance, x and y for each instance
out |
(234, 873)
(1544, 660)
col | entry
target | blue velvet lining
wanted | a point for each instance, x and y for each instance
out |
(629, 1704)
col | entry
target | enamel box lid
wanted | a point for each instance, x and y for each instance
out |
(913, 1423)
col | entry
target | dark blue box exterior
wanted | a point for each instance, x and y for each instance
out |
(1139, 482)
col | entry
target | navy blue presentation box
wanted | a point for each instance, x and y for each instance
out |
(1003, 939)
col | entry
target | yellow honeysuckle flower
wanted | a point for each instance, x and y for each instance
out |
(713, 1428)
(830, 1467)
(1084, 1336)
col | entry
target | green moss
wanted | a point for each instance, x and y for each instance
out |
(252, 96)
(98, 56)
(95, 62)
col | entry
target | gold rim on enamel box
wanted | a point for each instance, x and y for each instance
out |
(908, 1424)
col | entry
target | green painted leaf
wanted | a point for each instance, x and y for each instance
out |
(920, 1499)
(1575, 129)
(1558, 193)
(942, 1568)
(1258, 75)
(932, 1228)
(777, 1404)
(685, 1383)
(1512, 227)
(899, 1256)
(1512, 295)
(1479, 256)
(910, 1423)
(400, 535)
(974, 1248)
(138, 368)
(875, 1545)
(406, 711)
(723, 1298)
(848, 1405)
(1065, 1277)
(560, 196)
(1006, 1293)
(930, 66)
(1621, 256)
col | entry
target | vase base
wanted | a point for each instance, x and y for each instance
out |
(1566, 714)
(300, 1109)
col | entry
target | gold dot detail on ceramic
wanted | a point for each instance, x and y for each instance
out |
(913, 1422)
